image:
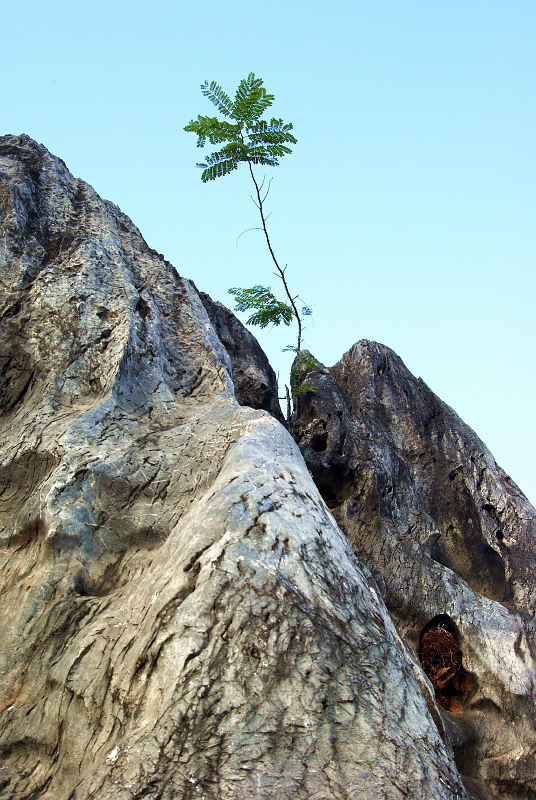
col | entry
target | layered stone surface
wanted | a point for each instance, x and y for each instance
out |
(181, 615)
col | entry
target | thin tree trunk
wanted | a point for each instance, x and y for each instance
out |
(280, 270)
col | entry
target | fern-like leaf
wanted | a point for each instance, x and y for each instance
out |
(273, 132)
(260, 155)
(277, 150)
(217, 170)
(251, 99)
(248, 139)
(213, 129)
(216, 95)
(218, 164)
(268, 309)
(299, 373)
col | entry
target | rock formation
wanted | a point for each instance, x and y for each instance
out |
(182, 617)
(450, 540)
(254, 380)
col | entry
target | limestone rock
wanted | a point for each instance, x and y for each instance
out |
(254, 380)
(181, 615)
(450, 540)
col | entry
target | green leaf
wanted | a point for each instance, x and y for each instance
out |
(251, 99)
(268, 309)
(273, 132)
(260, 155)
(249, 139)
(301, 389)
(218, 164)
(298, 377)
(213, 129)
(277, 150)
(216, 95)
(237, 150)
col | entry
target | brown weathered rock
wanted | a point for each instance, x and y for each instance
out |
(181, 616)
(449, 538)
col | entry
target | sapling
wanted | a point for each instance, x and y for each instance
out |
(248, 139)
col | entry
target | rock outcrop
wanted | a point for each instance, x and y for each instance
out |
(181, 615)
(450, 540)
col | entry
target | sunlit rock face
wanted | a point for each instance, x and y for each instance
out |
(450, 540)
(181, 615)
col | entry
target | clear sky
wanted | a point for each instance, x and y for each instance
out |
(406, 213)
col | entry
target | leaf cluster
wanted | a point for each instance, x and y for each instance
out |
(299, 389)
(245, 137)
(268, 309)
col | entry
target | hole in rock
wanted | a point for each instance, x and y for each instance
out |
(334, 484)
(319, 442)
(143, 308)
(12, 311)
(442, 660)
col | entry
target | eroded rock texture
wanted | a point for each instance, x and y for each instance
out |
(450, 540)
(181, 616)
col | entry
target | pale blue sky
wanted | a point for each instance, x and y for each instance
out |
(406, 213)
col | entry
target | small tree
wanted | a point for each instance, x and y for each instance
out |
(248, 139)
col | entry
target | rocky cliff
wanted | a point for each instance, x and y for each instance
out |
(186, 610)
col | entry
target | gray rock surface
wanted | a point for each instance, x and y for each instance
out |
(181, 615)
(450, 540)
(254, 380)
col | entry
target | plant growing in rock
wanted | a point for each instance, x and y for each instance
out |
(248, 139)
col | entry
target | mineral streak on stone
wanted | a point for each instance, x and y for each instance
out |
(181, 616)
(450, 540)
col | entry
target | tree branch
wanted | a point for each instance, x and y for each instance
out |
(280, 271)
